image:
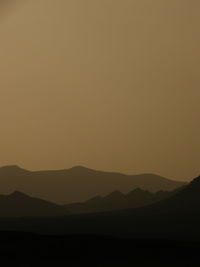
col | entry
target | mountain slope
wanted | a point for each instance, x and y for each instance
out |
(18, 204)
(119, 201)
(177, 217)
(77, 184)
(185, 201)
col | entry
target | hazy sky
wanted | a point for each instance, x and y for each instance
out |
(109, 84)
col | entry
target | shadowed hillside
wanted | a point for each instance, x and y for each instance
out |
(185, 201)
(18, 204)
(177, 217)
(119, 201)
(77, 184)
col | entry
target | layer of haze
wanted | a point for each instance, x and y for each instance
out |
(109, 84)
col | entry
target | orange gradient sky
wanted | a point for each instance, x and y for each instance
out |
(109, 84)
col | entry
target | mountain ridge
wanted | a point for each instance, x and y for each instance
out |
(77, 183)
(116, 200)
(18, 204)
(177, 217)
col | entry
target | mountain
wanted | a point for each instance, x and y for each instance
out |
(78, 183)
(119, 201)
(185, 201)
(175, 218)
(18, 204)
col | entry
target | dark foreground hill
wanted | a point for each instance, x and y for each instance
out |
(24, 249)
(18, 204)
(119, 201)
(77, 184)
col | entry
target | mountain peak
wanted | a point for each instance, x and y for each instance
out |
(138, 191)
(115, 193)
(196, 180)
(12, 168)
(195, 184)
(80, 168)
(17, 194)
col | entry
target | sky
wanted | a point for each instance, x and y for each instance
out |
(109, 84)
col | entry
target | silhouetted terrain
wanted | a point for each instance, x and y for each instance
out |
(166, 233)
(18, 204)
(77, 184)
(24, 249)
(177, 217)
(118, 201)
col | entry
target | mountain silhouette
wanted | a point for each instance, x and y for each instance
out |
(185, 201)
(19, 204)
(78, 183)
(176, 217)
(118, 201)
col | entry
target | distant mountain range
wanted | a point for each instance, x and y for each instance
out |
(175, 217)
(78, 183)
(18, 204)
(119, 201)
